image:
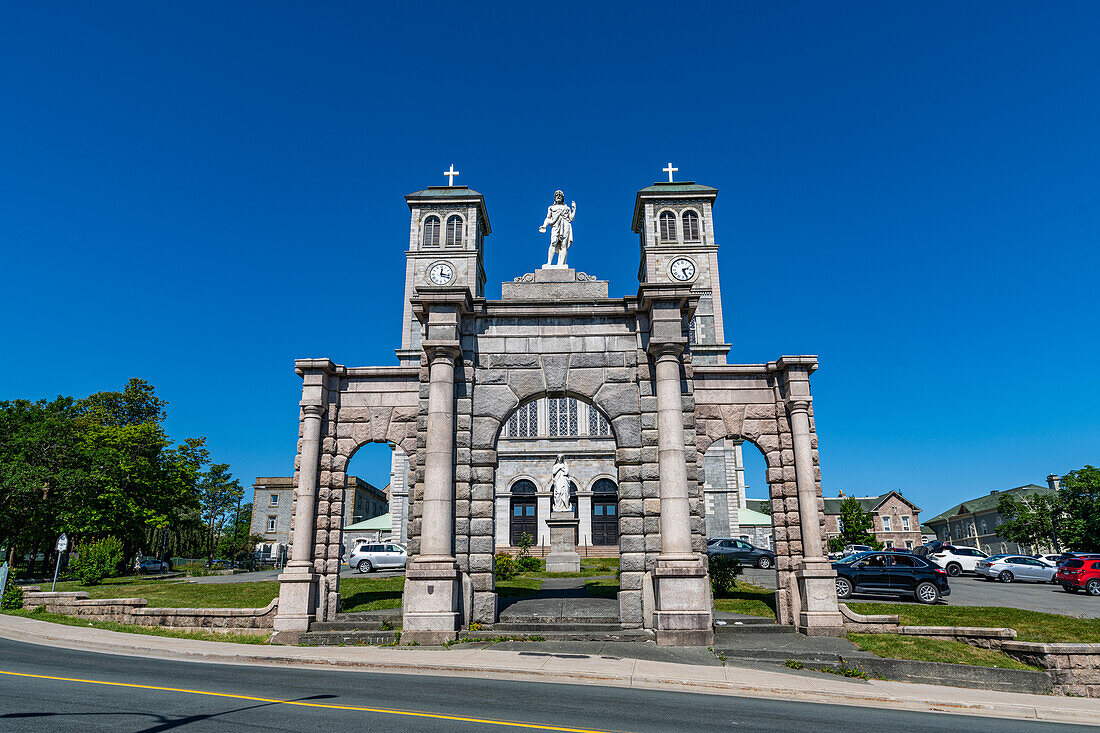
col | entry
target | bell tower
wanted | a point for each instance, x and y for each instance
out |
(447, 230)
(675, 225)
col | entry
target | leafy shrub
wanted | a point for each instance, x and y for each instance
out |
(530, 564)
(13, 596)
(504, 566)
(98, 560)
(723, 574)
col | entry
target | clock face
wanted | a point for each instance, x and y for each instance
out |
(441, 273)
(682, 269)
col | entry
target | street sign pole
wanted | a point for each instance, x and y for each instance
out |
(62, 545)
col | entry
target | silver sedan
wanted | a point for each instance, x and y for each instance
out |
(1007, 568)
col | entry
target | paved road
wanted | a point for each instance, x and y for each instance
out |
(274, 575)
(968, 590)
(213, 697)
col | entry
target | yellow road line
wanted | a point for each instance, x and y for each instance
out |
(384, 711)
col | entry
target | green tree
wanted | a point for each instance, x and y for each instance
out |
(1079, 498)
(98, 466)
(1031, 519)
(218, 495)
(856, 525)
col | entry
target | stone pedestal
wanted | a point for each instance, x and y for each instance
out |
(819, 615)
(563, 557)
(297, 603)
(431, 600)
(681, 596)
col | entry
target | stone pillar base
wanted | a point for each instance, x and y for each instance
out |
(432, 593)
(819, 615)
(682, 615)
(563, 557)
(297, 600)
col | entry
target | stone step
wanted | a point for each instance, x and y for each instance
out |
(347, 638)
(526, 627)
(374, 624)
(731, 630)
(564, 634)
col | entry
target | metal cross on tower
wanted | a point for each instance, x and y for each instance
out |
(452, 173)
(670, 170)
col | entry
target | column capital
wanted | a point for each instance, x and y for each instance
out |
(798, 405)
(311, 409)
(442, 350)
(658, 349)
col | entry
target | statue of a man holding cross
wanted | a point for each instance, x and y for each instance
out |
(559, 218)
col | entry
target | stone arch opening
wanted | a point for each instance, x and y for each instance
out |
(529, 438)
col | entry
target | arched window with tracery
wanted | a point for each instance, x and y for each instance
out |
(454, 231)
(691, 226)
(668, 226)
(430, 238)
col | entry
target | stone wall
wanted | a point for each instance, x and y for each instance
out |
(1074, 668)
(135, 612)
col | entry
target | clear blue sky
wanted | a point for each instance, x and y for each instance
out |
(198, 193)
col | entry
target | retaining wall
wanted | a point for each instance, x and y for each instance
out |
(1074, 668)
(135, 611)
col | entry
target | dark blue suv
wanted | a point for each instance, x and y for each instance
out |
(890, 573)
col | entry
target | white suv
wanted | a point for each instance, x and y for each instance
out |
(378, 555)
(956, 560)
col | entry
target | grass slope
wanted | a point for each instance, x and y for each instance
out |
(1029, 625)
(40, 614)
(892, 646)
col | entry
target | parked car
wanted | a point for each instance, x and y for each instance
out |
(853, 549)
(1007, 568)
(152, 565)
(890, 573)
(366, 558)
(743, 552)
(957, 560)
(1055, 559)
(1079, 574)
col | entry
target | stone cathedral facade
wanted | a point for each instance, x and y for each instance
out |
(635, 392)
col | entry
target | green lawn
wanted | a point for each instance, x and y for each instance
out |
(521, 586)
(602, 588)
(180, 593)
(57, 618)
(892, 646)
(370, 594)
(1029, 625)
(748, 599)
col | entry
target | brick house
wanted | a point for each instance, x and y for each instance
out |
(896, 521)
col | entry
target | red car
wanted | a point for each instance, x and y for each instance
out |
(1077, 573)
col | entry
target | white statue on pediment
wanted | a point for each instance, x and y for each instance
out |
(559, 218)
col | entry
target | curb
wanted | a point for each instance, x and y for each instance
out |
(509, 665)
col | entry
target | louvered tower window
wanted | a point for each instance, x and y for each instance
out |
(454, 231)
(691, 226)
(431, 232)
(668, 226)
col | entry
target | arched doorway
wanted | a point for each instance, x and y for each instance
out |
(605, 512)
(524, 512)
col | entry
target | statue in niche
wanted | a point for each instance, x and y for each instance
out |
(560, 474)
(559, 218)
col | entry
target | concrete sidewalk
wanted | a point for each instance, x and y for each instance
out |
(545, 666)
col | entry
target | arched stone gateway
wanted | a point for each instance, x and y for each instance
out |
(640, 380)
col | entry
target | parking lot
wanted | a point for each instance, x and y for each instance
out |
(968, 590)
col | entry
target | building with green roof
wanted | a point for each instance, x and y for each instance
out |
(974, 522)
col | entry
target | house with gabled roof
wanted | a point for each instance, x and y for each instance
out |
(895, 519)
